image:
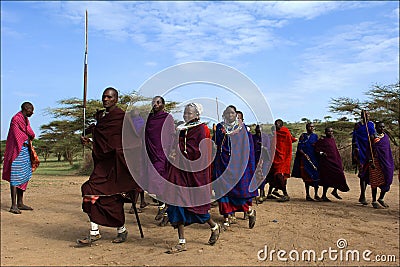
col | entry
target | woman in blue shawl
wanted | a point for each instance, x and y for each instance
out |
(306, 163)
(234, 164)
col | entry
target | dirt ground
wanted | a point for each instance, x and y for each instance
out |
(47, 235)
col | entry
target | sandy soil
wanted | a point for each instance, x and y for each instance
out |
(46, 236)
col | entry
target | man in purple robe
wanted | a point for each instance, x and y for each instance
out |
(330, 169)
(159, 138)
(360, 145)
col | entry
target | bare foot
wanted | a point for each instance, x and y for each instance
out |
(24, 207)
(15, 210)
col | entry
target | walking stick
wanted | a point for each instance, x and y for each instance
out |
(85, 77)
(138, 220)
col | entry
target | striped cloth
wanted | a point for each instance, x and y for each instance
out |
(21, 170)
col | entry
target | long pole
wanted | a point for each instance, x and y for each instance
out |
(85, 77)
(216, 100)
(364, 115)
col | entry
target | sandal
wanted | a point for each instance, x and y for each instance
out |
(276, 193)
(383, 204)
(143, 205)
(375, 205)
(325, 199)
(226, 223)
(15, 211)
(160, 213)
(87, 241)
(284, 199)
(164, 221)
(132, 211)
(178, 248)
(363, 201)
(232, 219)
(252, 219)
(317, 198)
(308, 198)
(24, 207)
(214, 235)
(121, 237)
(335, 194)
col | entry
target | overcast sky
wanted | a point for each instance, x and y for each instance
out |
(299, 54)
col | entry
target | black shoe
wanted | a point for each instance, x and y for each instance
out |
(270, 196)
(121, 237)
(317, 198)
(363, 201)
(308, 198)
(252, 219)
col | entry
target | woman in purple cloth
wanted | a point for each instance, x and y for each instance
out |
(330, 165)
(381, 173)
(234, 164)
(185, 174)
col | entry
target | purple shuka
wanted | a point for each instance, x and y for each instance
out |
(330, 166)
(385, 157)
(159, 138)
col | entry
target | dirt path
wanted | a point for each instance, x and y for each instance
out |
(46, 236)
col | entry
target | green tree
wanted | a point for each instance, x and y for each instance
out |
(383, 104)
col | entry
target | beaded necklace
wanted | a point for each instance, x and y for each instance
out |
(186, 127)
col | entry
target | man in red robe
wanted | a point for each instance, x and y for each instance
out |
(17, 168)
(280, 169)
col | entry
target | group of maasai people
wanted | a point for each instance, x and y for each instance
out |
(132, 155)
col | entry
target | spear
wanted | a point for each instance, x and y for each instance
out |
(85, 76)
(364, 115)
(216, 100)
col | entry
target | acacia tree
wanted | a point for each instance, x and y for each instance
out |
(383, 104)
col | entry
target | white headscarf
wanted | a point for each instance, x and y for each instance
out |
(198, 106)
